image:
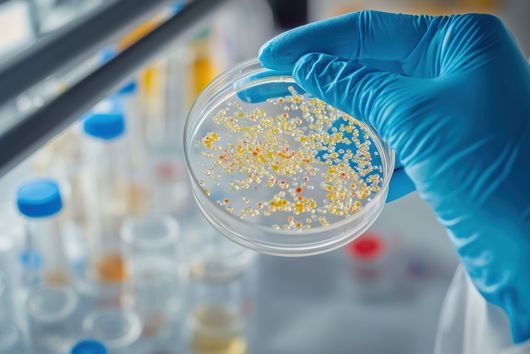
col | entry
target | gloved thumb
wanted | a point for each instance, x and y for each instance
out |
(368, 94)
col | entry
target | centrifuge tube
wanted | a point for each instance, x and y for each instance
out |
(119, 329)
(50, 312)
(110, 194)
(375, 265)
(156, 284)
(170, 191)
(44, 258)
(217, 321)
(129, 101)
(211, 255)
(11, 333)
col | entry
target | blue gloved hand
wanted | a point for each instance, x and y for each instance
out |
(452, 96)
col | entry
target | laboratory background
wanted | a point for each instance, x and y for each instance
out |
(94, 95)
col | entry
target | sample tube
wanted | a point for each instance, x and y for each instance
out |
(44, 258)
(11, 340)
(217, 321)
(50, 311)
(169, 183)
(151, 247)
(374, 266)
(119, 329)
(203, 67)
(11, 335)
(213, 257)
(129, 102)
(89, 346)
(108, 194)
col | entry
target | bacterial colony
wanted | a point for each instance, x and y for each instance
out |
(291, 162)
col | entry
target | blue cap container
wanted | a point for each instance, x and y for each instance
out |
(105, 126)
(89, 346)
(129, 88)
(39, 198)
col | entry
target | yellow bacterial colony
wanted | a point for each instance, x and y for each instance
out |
(317, 163)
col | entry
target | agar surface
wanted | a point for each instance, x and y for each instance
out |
(316, 163)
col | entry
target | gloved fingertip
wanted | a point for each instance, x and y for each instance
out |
(270, 56)
(264, 55)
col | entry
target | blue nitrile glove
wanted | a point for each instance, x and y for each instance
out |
(452, 96)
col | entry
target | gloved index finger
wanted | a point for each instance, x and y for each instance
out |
(358, 35)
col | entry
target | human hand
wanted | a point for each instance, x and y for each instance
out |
(452, 96)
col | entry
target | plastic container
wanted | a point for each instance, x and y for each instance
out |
(244, 89)
(217, 320)
(151, 245)
(51, 311)
(109, 195)
(212, 257)
(11, 335)
(117, 328)
(44, 259)
(378, 267)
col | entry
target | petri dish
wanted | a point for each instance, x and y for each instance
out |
(279, 171)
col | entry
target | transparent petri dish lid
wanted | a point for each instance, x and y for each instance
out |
(279, 171)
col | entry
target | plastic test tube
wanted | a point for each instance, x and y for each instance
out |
(151, 246)
(374, 265)
(11, 335)
(119, 329)
(107, 194)
(51, 311)
(128, 100)
(217, 321)
(212, 256)
(217, 265)
(50, 303)
(44, 259)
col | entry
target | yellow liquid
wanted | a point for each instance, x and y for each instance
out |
(203, 73)
(111, 268)
(203, 343)
(215, 333)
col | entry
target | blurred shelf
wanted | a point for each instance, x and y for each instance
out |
(70, 45)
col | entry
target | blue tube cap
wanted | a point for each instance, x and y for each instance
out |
(105, 126)
(39, 198)
(129, 88)
(89, 346)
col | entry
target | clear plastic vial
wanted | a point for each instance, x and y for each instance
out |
(119, 329)
(130, 104)
(11, 334)
(156, 285)
(210, 256)
(376, 266)
(45, 261)
(51, 311)
(217, 320)
(109, 195)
